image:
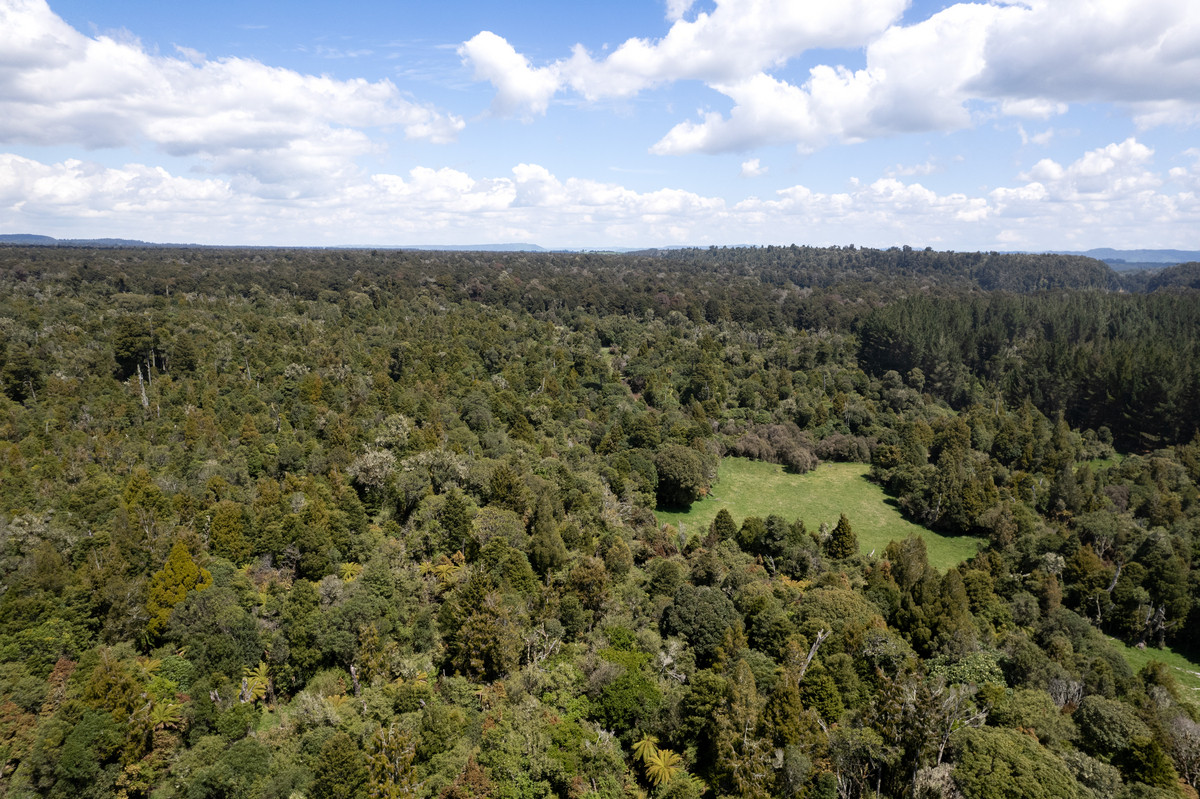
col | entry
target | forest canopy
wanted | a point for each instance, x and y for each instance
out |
(282, 523)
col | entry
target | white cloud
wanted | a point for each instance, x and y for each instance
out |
(1108, 173)
(737, 39)
(732, 42)
(1032, 108)
(1113, 189)
(1041, 139)
(519, 87)
(1028, 59)
(58, 86)
(909, 170)
(753, 169)
(677, 8)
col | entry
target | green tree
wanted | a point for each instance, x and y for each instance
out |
(997, 763)
(682, 478)
(170, 585)
(340, 771)
(227, 532)
(701, 615)
(723, 527)
(842, 543)
(390, 773)
(455, 518)
(21, 377)
(546, 548)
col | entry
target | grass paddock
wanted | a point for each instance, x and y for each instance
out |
(752, 488)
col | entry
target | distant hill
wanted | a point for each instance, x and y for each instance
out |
(29, 239)
(1125, 260)
(448, 247)
(1118, 260)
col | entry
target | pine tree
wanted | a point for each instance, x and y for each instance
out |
(168, 586)
(455, 518)
(842, 543)
(227, 532)
(723, 527)
(546, 548)
(341, 769)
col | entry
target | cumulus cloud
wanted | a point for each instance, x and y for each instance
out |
(58, 86)
(519, 86)
(735, 40)
(677, 8)
(753, 169)
(1029, 60)
(1051, 205)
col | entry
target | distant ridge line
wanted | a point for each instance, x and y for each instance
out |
(1119, 259)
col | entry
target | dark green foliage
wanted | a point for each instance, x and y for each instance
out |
(237, 774)
(842, 543)
(92, 742)
(682, 477)
(455, 518)
(20, 376)
(723, 527)
(702, 615)
(340, 771)
(217, 461)
(1144, 760)
(631, 700)
(546, 548)
(1107, 726)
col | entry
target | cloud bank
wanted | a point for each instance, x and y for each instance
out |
(273, 126)
(1053, 205)
(1023, 59)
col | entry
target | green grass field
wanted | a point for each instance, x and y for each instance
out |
(751, 488)
(1187, 673)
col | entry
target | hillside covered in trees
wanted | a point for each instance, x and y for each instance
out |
(314, 523)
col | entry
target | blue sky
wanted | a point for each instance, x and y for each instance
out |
(1038, 124)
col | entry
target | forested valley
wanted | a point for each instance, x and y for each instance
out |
(349, 523)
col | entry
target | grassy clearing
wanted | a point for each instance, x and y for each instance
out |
(751, 488)
(1097, 464)
(1187, 673)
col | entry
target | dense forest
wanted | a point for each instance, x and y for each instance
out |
(339, 523)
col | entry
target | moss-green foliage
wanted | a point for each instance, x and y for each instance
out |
(171, 584)
(995, 763)
(409, 499)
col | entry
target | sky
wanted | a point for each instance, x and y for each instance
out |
(1004, 125)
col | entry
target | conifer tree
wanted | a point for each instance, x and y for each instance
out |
(227, 532)
(723, 527)
(546, 548)
(842, 543)
(171, 584)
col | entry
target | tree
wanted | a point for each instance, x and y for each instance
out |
(487, 645)
(663, 766)
(455, 518)
(681, 476)
(390, 773)
(170, 585)
(340, 771)
(132, 345)
(227, 532)
(842, 543)
(546, 548)
(21, 378)
(701, 615)
(723, 527)
(998, 763)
